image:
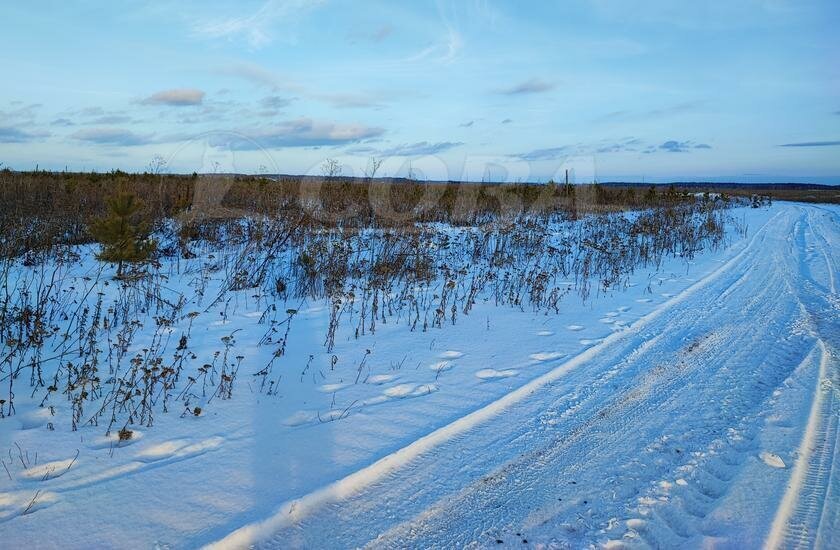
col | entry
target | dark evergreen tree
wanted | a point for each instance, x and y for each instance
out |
(124, 239)
(650, 196)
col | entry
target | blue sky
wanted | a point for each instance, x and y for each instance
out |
(473, 89)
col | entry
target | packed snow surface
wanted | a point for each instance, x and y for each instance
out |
(698, 406)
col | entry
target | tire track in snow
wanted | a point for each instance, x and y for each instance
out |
(809, 514)
(293, 512)
(612, 424)
(754, 363)
(801, 513)
(829, 260)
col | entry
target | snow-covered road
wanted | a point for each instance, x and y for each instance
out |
(676, 432)
(695, 404)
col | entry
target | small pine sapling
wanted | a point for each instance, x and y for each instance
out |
(124, 239)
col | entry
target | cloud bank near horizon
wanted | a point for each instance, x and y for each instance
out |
(443, 84)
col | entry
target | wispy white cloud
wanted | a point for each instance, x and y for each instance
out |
(302, 132)
(608, 146)
(531, 86)
(454, 44)
(275, 102)
(111, 119)
(549, 153)
(259, 28)
(445, 50)
(674, 146)
(277, 83)
(449, 43)
(62, 121)
(419, 149)
(20, 112)
(112, 136)
(812, 144)
(11, 134)
(255, 74)
(653, 114)
(180, 97)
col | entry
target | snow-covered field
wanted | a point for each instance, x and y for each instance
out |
(696, 407)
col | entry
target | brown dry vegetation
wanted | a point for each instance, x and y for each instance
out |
(39, 209)
(812, 194)
(417, 255)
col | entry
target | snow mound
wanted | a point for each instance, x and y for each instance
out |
(546, 356)
(771, 459)
(410, 390)
(381, 378)
(441, 366)
(491, 374)
(47, 470)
